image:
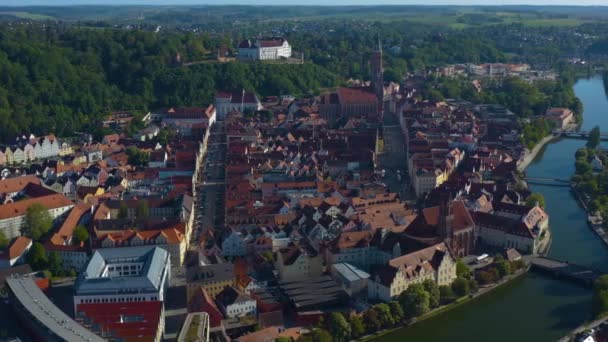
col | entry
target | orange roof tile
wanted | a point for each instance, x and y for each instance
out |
(18, 247)
(69, 225)
(17, 183)
(19, 208)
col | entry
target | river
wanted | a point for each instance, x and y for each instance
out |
(535, 307)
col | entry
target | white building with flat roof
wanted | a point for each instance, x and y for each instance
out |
(127, 274)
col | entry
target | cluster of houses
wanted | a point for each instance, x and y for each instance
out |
(28, 149)
(309, 226)
(138, 212)
(495, 70)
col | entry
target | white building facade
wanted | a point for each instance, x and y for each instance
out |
(264, 49)
(128, 274)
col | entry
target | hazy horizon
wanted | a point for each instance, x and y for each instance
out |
(23, 3)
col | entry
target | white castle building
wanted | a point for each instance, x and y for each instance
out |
(264, 49)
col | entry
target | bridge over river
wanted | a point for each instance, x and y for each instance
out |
(563, 269)
(577, 134)
(548, 181)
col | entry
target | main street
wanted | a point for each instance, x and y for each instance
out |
(210, 201)
(394, 160)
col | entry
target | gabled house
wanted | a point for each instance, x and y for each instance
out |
(234, 304)
(234, 244)
(298, 262)
(434, 263)
(16, 252)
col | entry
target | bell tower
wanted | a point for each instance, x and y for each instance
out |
(377, 77)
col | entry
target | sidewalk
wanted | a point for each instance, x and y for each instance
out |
(521, 166)
(582, 328)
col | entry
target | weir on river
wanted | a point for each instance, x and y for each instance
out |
(536, 307)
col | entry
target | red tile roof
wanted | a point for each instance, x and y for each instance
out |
(356, 96)
(17, 184)
(68, 226)
(19, 208)
(18, 247)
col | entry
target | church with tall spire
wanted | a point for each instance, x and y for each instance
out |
(357, 101)
(377, 76)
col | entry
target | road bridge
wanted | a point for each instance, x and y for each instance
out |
(577, 134)
(563, 269)
(548, 181)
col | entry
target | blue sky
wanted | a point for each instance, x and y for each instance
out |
(299, 2)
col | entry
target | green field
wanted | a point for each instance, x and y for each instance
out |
(27, 15)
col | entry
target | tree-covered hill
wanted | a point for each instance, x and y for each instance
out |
(63, 80)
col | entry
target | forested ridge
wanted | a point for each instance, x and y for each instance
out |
(65, 80)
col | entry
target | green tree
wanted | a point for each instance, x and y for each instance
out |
(461, 286)
(396, 311)
(123, 210)
(582, 167)
(372, 321)
(338, 327)
(446, 294)
(473, 285)
(594, 138)
(282, 339)
(163, 137)
(599, 303)
(601, 283)
(385, 315)
(434, 296)
(137, 157)
(321, 335)
(4, 242)
(55, 264)
(462, 270)
(535, 198)
(37, 257)
(487, 277)
(143, 209)
(581, 153)
(81, 234)
(38, 221)
(599, 300)
(415, 301)
(502, 266)
(357, 327)
(517, 265)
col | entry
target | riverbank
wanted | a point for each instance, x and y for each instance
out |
(595, 222)
(523, 164)
(584, 327)
(446, 308)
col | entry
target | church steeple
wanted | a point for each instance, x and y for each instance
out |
(377, 77)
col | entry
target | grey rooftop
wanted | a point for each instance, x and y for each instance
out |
(39, 306)
(154, 259)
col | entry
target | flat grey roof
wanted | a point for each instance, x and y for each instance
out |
(39, 306)
(210, 273)
(154, 261)
(350, 272)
